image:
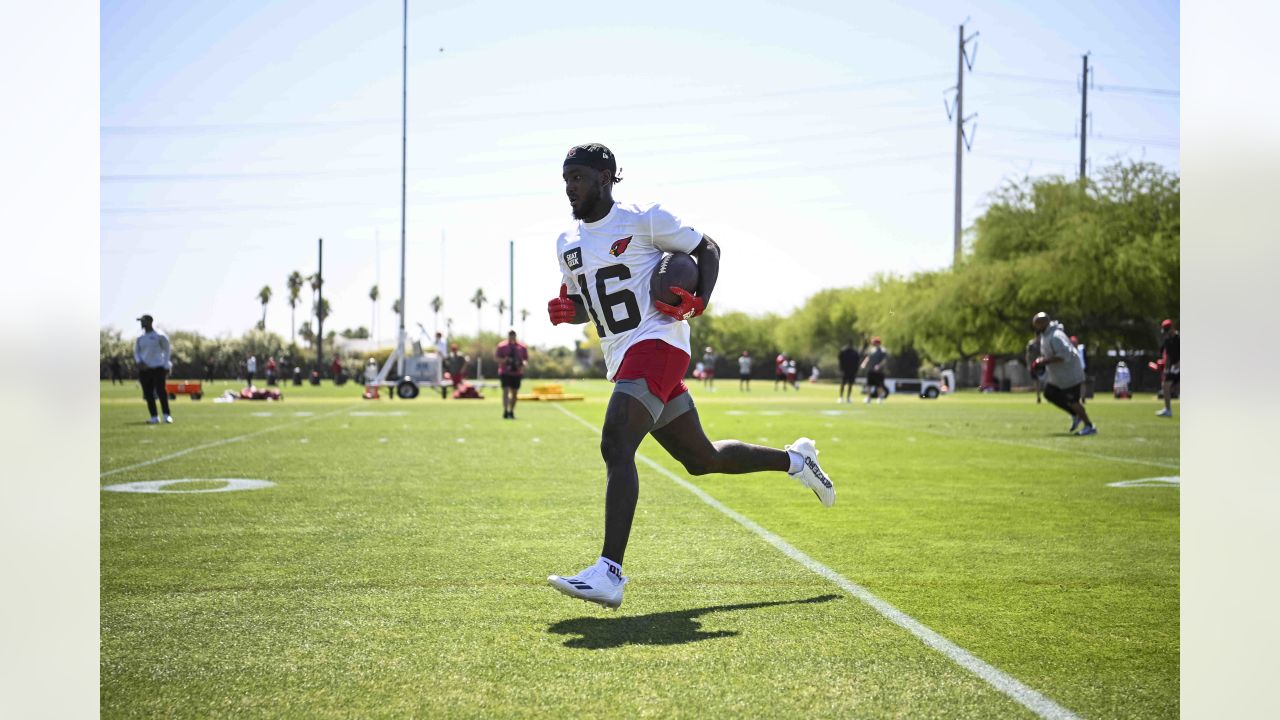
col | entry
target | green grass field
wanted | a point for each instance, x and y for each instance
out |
(397, 566)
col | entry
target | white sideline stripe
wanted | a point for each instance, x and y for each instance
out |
(1015, 443)
(216, 443)
(1007, 684)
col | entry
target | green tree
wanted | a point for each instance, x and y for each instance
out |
(294, 283)
(478, 299)
(264, 297)
(502, 310)
(436, 305)
(373, 297)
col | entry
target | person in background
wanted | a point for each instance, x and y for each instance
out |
(1120, 386)
(250, 368)
(744, 371)
(780, 372)
(442, 348)
(792, 374)
(271, 370)
(1064, 377)
(512, 357)
(456, 365)
(1037, 373)
(709, 369)
(335, 367)
(875, 362)
(848, 372)
(151, 352)
(117, 372)
(1171, 354)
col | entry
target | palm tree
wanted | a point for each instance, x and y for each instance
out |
(479, 300)
(502, 310)
(264, 297)
(436, 305)
(295, 283)
(524, 315)
(306, 333)
(395, 306)
(373, 295)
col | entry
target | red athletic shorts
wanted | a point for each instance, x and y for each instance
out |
(661, 366)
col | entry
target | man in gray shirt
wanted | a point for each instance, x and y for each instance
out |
(1064, 376)
(151, 353)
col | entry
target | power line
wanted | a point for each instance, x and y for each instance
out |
(507, 114)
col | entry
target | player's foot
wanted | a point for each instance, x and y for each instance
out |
(1166, 412)
(1088, 430)
(868, 400)
(593, 585)
(153, 421)
(1075, 423)
(810, 475)
(168, 419)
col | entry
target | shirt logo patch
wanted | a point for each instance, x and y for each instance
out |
(619, 246)
(573, 258)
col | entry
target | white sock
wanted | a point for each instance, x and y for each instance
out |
(611, 568)
(797, 462)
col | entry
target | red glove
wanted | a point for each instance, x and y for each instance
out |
(1037, 364)
(690, 306)
(562, 309)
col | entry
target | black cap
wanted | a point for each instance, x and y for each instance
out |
(592, 155)
(145, 318)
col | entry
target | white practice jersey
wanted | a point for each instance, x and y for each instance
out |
(608, 263)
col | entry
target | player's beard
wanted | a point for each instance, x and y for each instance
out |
(584, 205)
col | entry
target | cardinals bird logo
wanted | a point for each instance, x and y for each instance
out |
(619, 246)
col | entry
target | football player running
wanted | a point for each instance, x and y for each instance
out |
(606, 260)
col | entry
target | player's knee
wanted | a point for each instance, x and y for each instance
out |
(701, 464)
(615, 449)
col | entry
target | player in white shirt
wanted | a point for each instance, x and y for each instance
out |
(744, 371)
(606, 260)
(151, 353)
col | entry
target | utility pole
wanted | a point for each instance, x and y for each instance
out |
(320, 308)
(1084, 116)
(404, 142)
(511, 290)
(963, 142)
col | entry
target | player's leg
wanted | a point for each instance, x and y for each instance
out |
(684, 439)
(679, 431)
(626, 421)
(163, 393)
(630, 414)
(148, 393)
(515, 394)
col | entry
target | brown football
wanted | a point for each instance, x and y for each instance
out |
(678, 269)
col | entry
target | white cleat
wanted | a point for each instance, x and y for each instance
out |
(1165, 413)
(810, 475)
(153, 421)
(592, 585)
(168, 419)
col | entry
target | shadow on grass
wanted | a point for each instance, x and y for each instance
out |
(667, 628)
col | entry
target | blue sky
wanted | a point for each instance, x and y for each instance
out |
(809, 138)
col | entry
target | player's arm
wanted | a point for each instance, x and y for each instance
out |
(708, 256)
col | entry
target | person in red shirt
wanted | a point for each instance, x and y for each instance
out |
(512, 357)
(780, 371)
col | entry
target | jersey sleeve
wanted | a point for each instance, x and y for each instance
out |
(565, 277)
(669, 234)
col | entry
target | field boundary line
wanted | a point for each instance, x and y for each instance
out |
(997, 679)
(1014, 443)
(216, 443)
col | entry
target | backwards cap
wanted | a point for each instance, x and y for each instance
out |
(592, 155)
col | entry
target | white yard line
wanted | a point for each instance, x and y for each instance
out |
(217, 443)
(1023, 695)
